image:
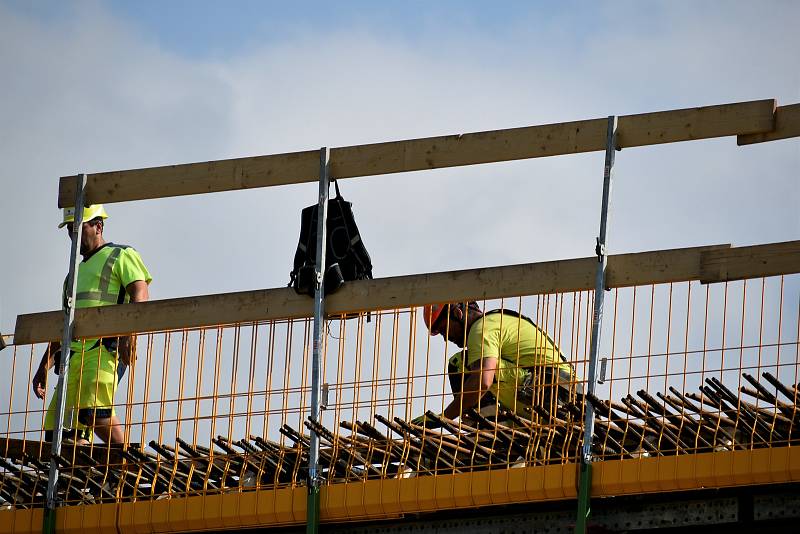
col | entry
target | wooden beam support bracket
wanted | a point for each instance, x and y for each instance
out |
(787, 125)
(740, 263)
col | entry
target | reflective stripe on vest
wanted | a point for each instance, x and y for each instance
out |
(102, 294)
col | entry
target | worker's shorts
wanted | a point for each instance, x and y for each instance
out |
(91, 384)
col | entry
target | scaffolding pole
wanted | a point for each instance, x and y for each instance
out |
(49, 518)
(312, 514)
(585, 480)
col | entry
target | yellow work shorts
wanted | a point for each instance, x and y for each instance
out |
(90, 389)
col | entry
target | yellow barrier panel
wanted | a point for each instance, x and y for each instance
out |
(391, 498)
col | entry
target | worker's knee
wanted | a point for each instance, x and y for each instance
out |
(94, 416)
(78, 435)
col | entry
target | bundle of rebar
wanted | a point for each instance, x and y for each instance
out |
(669, 423)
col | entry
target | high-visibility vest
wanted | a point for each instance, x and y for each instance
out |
(100, 285)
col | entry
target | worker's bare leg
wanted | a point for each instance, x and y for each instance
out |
(109, 429)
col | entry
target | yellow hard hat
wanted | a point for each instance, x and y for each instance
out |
(89, 213)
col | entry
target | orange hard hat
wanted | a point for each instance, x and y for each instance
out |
(432, 312)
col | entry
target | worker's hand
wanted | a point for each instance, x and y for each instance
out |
(39, 382)
(126, 349)
(427, 420)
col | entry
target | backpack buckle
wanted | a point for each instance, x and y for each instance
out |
(334, 279)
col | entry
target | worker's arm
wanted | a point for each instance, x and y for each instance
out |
(48, 360)
(476, 383)
(138, 292)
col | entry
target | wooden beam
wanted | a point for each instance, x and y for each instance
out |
(195, 178)
(787, 125)
(695, 123)
(429, 153)
(716, 263)
(469, 148)
(749, 262)
(168, 314)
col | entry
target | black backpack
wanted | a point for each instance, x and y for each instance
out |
(346, 257)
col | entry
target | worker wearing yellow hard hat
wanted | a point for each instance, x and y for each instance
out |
(507, 354)
(109, 274)
(89, 213)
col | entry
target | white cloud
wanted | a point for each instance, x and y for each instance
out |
(90, 94)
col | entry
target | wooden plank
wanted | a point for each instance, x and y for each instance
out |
(787, 125)
(194, 178)
(383, 293)
(659, 267)
(471, 284)
(428, 153)
(715, 263)
(750, 262)
(167, 314)
(695, 123)
(469, 149)
(39, 327)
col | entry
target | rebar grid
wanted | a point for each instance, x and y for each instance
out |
(690, 369)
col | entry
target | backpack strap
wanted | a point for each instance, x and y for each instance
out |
(353, 240)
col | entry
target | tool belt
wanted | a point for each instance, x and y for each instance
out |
(110, 344)
(548, 387)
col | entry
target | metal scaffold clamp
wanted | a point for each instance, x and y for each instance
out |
(600, 249)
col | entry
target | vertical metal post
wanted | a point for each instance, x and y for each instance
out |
(312, 516)
(585, 481)
(49, 524)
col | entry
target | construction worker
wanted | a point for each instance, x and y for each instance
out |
(109, 274)
(457, 376)
(507, 355)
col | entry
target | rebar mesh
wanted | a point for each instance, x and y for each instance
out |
(689, 368)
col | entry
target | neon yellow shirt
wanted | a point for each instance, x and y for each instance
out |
(103, 277)
(518, 345)
(92, 379)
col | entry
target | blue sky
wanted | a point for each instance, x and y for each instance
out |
(207, 29)
(214, 29)
(221, 30)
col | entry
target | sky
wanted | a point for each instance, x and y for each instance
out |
(91, 86)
